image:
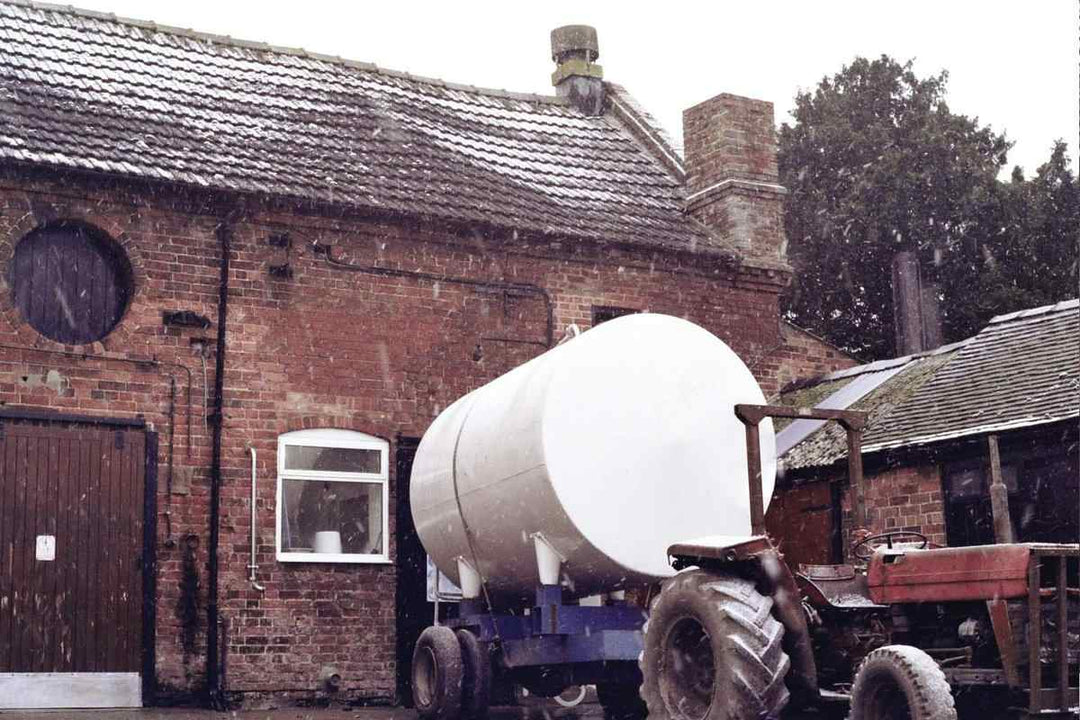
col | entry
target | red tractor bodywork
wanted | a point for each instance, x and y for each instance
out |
(982, 572)
(991, 616)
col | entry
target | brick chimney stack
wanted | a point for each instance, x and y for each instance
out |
(916, 314)
(577, 77)
(732, 181)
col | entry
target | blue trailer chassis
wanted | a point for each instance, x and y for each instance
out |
(554, 633)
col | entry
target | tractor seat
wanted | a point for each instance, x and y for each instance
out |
(838, 587)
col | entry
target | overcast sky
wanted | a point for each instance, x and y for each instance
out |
(1014, 64)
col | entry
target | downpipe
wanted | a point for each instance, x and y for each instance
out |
(215, 698)
(253, 566)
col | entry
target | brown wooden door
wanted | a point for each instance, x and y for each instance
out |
(83, 486)
(801, 519)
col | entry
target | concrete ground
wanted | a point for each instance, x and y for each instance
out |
(590, 711)
(585, 711)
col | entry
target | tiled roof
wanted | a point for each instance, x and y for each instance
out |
(1022, 370)
(829, 444)
(88, 91)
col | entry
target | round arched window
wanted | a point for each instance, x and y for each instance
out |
(70, 281)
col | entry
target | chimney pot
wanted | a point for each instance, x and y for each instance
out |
(577, 77)
(574, 41)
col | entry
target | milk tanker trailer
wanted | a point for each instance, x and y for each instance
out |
(602, 509)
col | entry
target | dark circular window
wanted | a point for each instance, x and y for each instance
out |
(70, 281)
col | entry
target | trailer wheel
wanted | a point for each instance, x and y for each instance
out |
(900, 682)
(437, 674)
(713, 651)
(621, 701)
(476, 684)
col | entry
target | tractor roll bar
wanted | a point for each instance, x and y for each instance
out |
(852, 421)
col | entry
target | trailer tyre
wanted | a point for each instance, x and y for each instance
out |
(900, 682)
(713, 651)
(476, 681)
(437, 674)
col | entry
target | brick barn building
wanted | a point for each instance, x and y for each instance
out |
(936, 421)
(229, 270)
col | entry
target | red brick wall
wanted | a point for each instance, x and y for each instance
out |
(802, 356)
(903, 498)
(326, 348)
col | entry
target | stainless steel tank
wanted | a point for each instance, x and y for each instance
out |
(595, 456)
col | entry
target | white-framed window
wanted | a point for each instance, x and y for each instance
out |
(332, 497)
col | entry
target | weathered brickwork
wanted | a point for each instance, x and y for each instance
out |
(324, 347)
(729, 136)
(731, 172)
(802, 356)
(902, 498)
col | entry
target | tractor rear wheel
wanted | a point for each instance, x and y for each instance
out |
(437, 674)
(900, 682)
(713, 651)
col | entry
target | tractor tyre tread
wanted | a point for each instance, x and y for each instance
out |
(912, 672)
(754, 662)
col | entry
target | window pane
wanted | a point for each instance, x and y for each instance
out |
(303, 457)
(967, 482)
(344, 514)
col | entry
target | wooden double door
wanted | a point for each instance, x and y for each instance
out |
(72, 504)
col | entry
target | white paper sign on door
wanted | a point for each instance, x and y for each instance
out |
(46, 547)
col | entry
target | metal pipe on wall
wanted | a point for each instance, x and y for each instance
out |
(215, 699)
(253, 566)
(148, 362)
(527, 288)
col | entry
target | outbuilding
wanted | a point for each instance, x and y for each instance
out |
(943, 426)
(239, 281)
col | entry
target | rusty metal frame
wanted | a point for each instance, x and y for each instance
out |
(852, 421)
(1061, 698)
(998, 609)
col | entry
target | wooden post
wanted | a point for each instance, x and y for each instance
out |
(999, 496)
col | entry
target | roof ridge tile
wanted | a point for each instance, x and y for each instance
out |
(229, 41)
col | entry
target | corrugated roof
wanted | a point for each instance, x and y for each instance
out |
(89, 91)
(1023, 369)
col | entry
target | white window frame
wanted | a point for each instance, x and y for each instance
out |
(333, 438)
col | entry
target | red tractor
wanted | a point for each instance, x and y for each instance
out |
(905, 632)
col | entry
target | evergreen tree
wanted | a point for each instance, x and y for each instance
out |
(876, 163)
